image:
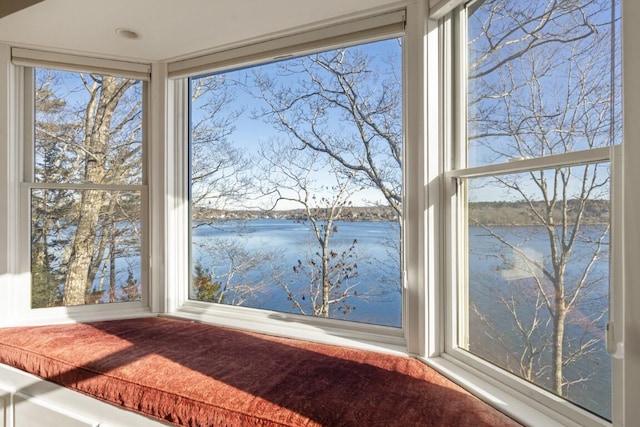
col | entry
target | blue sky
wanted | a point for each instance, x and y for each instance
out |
(250, 133)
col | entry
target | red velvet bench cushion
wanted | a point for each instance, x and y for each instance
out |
(202, 375)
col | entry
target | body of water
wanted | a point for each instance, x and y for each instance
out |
(504, 304)
(282, 243)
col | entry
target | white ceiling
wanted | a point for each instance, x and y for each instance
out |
(170, 28)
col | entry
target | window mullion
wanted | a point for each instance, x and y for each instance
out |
(87, 186)
(594, 155)
(615, 335)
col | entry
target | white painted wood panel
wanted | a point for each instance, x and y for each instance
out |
(5, 398)
(27, 401)
(29, 412)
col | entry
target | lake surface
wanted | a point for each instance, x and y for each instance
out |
(288, 241)
(504, 278)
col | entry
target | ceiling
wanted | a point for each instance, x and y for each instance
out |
(169, 29)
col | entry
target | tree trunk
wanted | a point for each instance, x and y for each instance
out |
(558, 339)
(112, 263)
(77, 283)
(100, 111)
(325, 282)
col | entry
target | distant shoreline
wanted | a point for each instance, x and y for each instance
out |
(522, 214)
(485, 213)
(351, 214)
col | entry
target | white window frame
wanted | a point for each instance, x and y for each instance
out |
(20, 64)
(340, 34)
(514, 396)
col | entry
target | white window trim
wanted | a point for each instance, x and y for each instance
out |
(81, 64)
(480, 377)
(10, 99)
(18, 159)
(259, 320)
(439, 8)
(631, 226)
(596, 155)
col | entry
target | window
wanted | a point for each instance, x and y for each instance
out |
(533, 175)
(296, 185)
(542, 110)
(85, 181)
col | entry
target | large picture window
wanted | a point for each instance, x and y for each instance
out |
(296, 185)
(85, 176)
(543, 102)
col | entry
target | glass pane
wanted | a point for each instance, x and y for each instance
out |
(296, 185)
(538, 279)
(544, 77)
(85, 247)
(88, 128)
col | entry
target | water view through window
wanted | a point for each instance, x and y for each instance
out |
(543, 84)
(539, 294)
(296, 185)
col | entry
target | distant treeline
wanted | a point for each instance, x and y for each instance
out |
(349, 213)
(521, 213)
(487, 213)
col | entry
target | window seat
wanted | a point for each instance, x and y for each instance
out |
(196, 374)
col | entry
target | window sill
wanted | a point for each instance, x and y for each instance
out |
(327, 331)
(84, 313)
(514, 403)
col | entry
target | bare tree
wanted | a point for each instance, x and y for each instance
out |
(105, 94)
(88, 130)
(344, 85)
(219, 170)
(48, 237)
(544, 79)
(225, 272)
(233, 274)
(299, 178)
(346, 105)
